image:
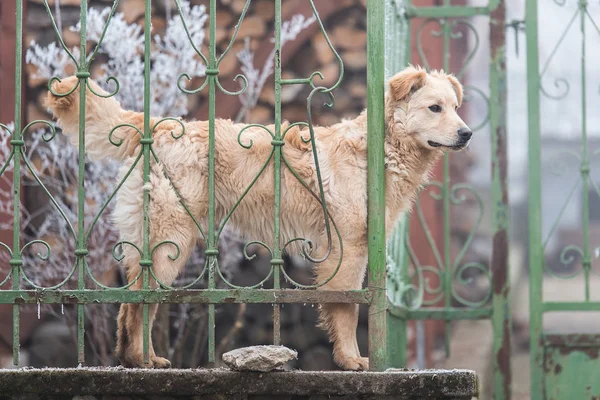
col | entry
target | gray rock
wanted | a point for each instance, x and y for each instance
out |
(259, 358)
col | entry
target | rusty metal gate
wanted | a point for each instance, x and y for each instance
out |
(562, 193)
(430, 278)
(563, 243)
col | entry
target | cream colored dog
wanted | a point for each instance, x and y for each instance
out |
(421, 123)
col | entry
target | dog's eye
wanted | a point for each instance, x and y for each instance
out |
(435, 108)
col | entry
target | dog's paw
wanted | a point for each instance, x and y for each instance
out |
(354, 363)
(160, 362)
(138, 362)
(134, 362)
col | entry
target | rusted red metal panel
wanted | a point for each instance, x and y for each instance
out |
(7, 114)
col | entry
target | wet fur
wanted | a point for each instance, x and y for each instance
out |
(342, 150)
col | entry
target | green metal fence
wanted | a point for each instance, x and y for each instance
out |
(389, 49)
(25, 291)
(417, 289)
(564, 365)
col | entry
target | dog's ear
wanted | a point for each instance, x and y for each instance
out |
(62, 103)
(457, 88)
(55, 103)
(407, 82)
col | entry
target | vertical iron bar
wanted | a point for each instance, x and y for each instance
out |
(81, 252)
(396, 326)
(501, 317)
(211, 246)
(398, 30)
(407, 56)
(16, 261)
(376, 184)
(421, 344)
(585, 161)
(408, 46)
(536, 253)
(448, 270)
(396, 341)
(277, 260)
(146, 262)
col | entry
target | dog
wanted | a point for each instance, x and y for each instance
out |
(421, 123)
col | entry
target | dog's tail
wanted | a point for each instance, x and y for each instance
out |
(110, 131)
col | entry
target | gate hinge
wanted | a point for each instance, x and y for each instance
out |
(518, 25)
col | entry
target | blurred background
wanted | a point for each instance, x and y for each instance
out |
(47, 334)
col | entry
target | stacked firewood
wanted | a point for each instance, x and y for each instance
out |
(344, 20)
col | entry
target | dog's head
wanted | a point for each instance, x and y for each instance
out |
(424, 107)
(63, 101)
(65, 107)
(66, 102)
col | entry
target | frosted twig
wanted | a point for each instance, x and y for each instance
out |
(257, 79)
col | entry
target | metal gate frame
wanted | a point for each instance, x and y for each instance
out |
(400, 281)
(374, 295)
(550, 352)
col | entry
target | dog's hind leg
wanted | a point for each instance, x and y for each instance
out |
(341, 320)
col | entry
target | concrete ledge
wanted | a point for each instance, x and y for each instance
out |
(225, 384)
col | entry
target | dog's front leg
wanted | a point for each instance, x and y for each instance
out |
(341, 320)
(130, 350)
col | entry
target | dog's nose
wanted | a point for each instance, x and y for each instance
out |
(465, 133)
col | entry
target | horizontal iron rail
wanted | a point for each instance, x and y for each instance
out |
(430, 313)
(208, 296)
(571, 340)
(570, 306)
(450, 11)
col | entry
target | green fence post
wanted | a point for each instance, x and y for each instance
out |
(397, 56)
(146, 261)
(536, 253)
(16, 261)
(81, 251)
(397, 323)
(211, 246)
(376, 184)
(395, 32)
(277, 260)
(501, 317)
